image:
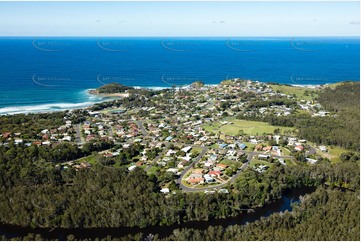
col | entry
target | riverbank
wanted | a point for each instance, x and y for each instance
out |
(278, 206)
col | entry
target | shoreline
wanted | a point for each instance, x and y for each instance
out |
(95, 92)
(92, 93)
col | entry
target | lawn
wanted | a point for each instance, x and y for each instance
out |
(234, 164)
(335, 152)
(91, 159)
(248, 127)
(196, 149)
(290, 162)
(153, 169)
(298, 91)
(260, 162)
(332, 154)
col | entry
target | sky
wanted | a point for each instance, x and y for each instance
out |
(180, 19)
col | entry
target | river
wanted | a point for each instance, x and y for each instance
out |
(281, 205)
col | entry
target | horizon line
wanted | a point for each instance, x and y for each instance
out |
(186, 36)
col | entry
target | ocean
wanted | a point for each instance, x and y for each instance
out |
(39, 74)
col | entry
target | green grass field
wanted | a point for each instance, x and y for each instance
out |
(298, 91)
(248, 127)
(91, 159)
(259, 162)
(335, 152)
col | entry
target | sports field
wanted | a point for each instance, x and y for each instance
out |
(248, 127)
(298, 91)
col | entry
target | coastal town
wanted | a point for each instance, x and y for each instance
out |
(194, 136)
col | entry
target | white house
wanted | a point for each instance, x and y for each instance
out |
(165, 190)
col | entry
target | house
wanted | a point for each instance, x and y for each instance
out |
(173, 170)
(242, 146)
(221, 166)
(131, 168)
(262, 168)
(6, 135)
(299, 148)
(209, 164)
(253, 141)
(198, 171)
(38, 143)
(165, 190)
(231, 153)
(215, 173)
(323, 148)
(46, 143)
(182, 164)
(223, 190)
(263, 157)
(208, 178)
(169, 138)
(18, 141)
(186, 149)
(281, 161)
(170, 152)
(209, 192)
(196, 180)
(267, 148)
(85, 165)
(312, 161)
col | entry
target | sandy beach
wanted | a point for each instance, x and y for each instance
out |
(95, 92)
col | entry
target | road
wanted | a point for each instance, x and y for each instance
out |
(78, 138)
(190, 166)
(142, 129)
(233, 178)
(156, 159)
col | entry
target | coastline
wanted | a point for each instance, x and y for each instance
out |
(95, 92)
(93, 97)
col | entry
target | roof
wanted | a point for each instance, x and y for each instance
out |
(199, 171)
(169, 138)
(214, 173)
(222, 165)
(196, 180)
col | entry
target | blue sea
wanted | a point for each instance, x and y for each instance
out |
(40, 74)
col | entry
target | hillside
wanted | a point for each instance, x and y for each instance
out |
(113, 88)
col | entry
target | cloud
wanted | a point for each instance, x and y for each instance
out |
(356, 22)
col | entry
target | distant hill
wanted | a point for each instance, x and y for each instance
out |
(113, 88)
